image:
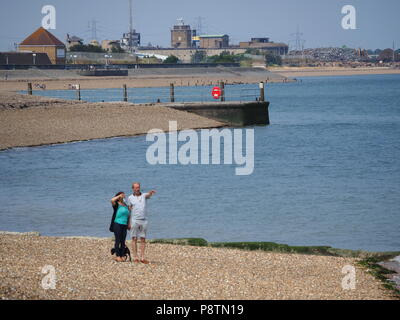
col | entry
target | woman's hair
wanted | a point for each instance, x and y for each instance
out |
(115, 205)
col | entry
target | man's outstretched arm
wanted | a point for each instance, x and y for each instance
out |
(150, 194)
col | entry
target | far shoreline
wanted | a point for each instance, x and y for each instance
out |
(193, 77)
(244, 245)
(294, 72)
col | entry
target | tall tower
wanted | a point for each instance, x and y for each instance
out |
(181, 35)
(130, 17)
(299, 42)
(394, 54)
(92, 26)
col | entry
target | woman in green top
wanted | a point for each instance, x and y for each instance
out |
(120, 224)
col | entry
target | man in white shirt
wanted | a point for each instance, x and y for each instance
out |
(138, 221)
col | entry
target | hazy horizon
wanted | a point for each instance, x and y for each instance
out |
(319, 21)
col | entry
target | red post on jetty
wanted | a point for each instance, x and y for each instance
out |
(216, 92)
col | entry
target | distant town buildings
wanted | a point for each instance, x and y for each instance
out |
(264, 44)
(109, 45)
(43, 48)
(130, 40)
(214, 41)
(183, 37)
(73, 41)
(94, 43)
(331, 54)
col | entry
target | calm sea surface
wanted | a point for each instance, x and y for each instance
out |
(327, 172)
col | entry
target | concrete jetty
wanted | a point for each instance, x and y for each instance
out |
(232, 113)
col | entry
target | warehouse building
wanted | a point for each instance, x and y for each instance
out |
(73, 41)
(265, 45)
(214, 41)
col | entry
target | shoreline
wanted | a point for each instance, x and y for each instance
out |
(181, 271)
(149, 78)
(94, 139)
(323, 250)
(60, 79)
(294, 72)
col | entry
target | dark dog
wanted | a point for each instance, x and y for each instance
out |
(127, 253)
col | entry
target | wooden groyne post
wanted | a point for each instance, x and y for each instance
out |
(125, 94)
(78, 92)
(172, 92)
(222, 86)
(29, 88)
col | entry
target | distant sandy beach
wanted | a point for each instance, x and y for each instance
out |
(60, 79)
(294, 72)
(84, 269)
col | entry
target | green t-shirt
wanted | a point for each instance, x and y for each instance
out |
(122, 215)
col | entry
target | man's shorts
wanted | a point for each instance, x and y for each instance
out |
(139, 229)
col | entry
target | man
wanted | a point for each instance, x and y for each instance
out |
(138, 222)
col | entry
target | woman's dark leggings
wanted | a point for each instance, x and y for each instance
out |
(120, 237)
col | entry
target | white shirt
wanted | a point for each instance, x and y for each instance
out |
(138, 204)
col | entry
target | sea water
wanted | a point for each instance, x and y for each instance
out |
(327, 172)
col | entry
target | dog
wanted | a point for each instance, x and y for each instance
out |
(127, 253)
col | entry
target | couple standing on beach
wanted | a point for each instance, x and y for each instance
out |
(130, 215)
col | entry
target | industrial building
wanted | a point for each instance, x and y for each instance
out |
(214, 41)
(73, 41)
(264, 44)
(42, 41)
(181, 36)
(130, 40)
(185, 43)
(109, 45)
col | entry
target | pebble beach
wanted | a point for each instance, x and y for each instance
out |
(84, 269)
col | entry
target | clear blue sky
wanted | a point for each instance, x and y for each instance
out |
(378, 22)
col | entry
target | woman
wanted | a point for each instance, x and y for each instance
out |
(120, 225)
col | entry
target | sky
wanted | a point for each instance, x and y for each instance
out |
(319, 21)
